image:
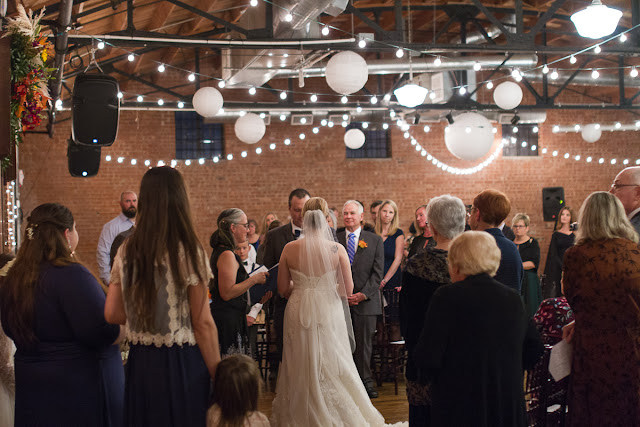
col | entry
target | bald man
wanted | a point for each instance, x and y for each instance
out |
(626, 187)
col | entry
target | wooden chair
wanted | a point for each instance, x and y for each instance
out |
(389, 355)
(546, 398)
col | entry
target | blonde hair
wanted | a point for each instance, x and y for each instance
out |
(521, 217)
(263, 225)
(316, 204)
(475, 252)
(602, 216)
(394, 222)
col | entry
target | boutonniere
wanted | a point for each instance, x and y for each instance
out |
(362, 244)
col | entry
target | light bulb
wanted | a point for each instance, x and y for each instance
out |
(633, 72)
(323, 122)
(432, 95)
(161, 68)
(554, 74)
(253, 3)
(477, 66)
(120, 95)
(283, 117)
(345, 117)
(315, 130)
(131, 57)
(140, 98)
(427, 129)
(623, 38)
(597, 49)
(387, 97)
(462, 90)
(365, 125)
(283, 95)
(288, 17)
(192, 77)
(252, 91)
(374, 99)
(160, 101)
(437, 61)
(385, 126)
(573, 59)
(222, 84)
(535, 129)
(303, 121)
(595, 74)
(314, 98)
(287, 141)
(101, 45)
(362, 44)
(399, 53)
(359, 109)
(392, 113)
(344, 99)
(272, 146)
(325, 31)
(180, 104)
(545, 69)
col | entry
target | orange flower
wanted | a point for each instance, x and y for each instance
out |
(362, 244)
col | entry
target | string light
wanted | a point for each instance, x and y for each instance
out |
(595, 74)
(222, 84)
(100, 45)
(180, 104)
(399, 53)
(344, 99)
(573, 59)
(477, 66)
(253, 3)
(160, 101)
(131, 57)
(288, 17)
(325, 30)
(545, 69)
(489, 86)
(362, 43)
(313, 98)
(140, 98)
(597, 49)
(252, 90)
(283, 95)
(633, 72)
(161, 68)
(374, 99)
(623, 38)
(192, 77)
(437, 62)
(554, 74)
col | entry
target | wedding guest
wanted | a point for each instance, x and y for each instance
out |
(332, 219)
(424, 274)
(7, 376)
(552, 315)
(476, 341)
(231, 282)
(236, 391)
(159, 289)
(601, 281)
(530, 253)
(424, 237)
(266, 222)
(373, 210)
(123, 222)
(626, 187)
(253, 237)
(561, 240)
(68, 369)
(491, 207)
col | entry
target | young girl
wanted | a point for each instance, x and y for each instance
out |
(236, 389)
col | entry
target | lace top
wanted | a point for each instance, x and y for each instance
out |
(173, 314)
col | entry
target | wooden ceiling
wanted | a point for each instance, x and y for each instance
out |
(435, 27)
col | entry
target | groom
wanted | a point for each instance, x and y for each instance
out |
(366, 255)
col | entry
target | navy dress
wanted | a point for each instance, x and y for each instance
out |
(73, 375)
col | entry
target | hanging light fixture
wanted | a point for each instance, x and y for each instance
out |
(596, 21)
(410, 95)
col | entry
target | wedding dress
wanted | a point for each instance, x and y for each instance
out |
(318, 384)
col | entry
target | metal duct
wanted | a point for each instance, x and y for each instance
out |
(64, 20)
(302, 11)
(585, 79)
(476, 37)
(393, 66)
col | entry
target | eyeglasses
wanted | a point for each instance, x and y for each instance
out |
(615, 186)
(518, 226)
(244, 225)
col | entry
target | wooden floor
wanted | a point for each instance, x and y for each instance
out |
(393, 408)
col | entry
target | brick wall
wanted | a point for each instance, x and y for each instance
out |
(261, 183)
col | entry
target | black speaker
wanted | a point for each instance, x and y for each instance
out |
(83, 161)
(96, 110)
(552, 202)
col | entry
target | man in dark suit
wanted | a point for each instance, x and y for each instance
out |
(274, 242)
(489, 209)
(366, 254)
(626, 187)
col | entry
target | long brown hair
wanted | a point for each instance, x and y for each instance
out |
(44, 241)
(163, 227)
(236, 389)
(571, 220)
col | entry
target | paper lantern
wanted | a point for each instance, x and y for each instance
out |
(207, 101)
(470, 136)
(591, 133)
(596, 21)
(346, 72)
(507, 95)
(250, 128)
(354, 138)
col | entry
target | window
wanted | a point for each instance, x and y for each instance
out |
(520, 140)
(376, 144)
(195, 138)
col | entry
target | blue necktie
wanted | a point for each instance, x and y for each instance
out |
(351, 247)
(296, 233)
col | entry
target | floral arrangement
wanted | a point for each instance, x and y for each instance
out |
(29, 74)
(362, 244)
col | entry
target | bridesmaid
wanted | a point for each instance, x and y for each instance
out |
(561, 240)
(530, 254)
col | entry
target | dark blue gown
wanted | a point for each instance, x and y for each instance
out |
(73, 375)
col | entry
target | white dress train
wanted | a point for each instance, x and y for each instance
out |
(318, 384)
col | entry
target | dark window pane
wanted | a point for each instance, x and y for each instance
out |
(196, 139)
(523, 143)
(376, 144)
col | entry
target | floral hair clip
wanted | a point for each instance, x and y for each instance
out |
(30, 229)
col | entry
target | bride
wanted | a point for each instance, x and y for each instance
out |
(318, 384)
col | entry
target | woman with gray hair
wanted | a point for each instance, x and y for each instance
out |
(424, 273)
(231, 282)
(476, 341)
(601, 280)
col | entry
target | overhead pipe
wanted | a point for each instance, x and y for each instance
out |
(393, 66)
(585, 79)
(64, 21)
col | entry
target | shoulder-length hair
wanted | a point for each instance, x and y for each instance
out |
(263, 225)
(602, 216)
(571, 220)
(236, 389)
(394, 222)
(44, 241)
(163, 228)
(420, 230)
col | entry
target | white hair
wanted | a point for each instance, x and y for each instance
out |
(446, 214)
(359, 206)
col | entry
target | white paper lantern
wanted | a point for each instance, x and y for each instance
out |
(470, 136)
(591, 133)
(507, 95)
(347, 72)
(354, 138)
(250, 128)
(207, 101)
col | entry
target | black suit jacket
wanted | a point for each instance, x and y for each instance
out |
(367, 271)
(274, 243)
